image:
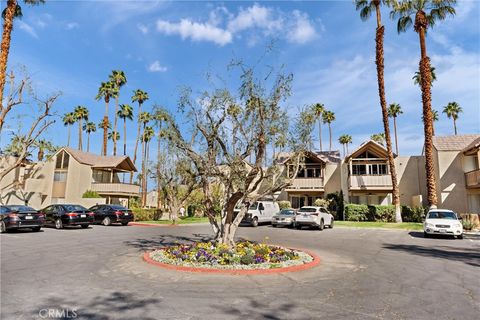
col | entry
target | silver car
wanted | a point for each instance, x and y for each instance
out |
(286, 217)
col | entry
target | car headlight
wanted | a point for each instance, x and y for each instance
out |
(457, 225)
(429, 225)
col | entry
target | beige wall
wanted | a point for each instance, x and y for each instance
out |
(79, 180)
(411, 178)
(332, 178)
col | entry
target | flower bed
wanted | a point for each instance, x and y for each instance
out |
(244, 256)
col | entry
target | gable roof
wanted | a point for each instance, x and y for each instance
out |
(454, 143)
(374, 146)
(98, 161)
(318, 156)
(473, 147)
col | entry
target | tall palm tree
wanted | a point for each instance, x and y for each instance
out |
(11, 11)
(378, 138)
(147, 135)
(394, 110)
(417, 78)
(89, 127)
(42, 145)
(329, 117)
(80, 113)
(435, 118)
(105, 92)
(125, 112)
(101, 126)
(118, 78)
(426, 13)
(143, 118)
(452, 110)
(367, 7)
(112, 135)
(140, 97)
(344, 140)
(318, 109)
(68, 120)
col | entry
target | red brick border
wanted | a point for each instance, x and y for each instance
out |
(315, 262)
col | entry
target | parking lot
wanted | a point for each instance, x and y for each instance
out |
(98, 273)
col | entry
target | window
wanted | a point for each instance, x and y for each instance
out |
(60, 176)
(62, 160)
(358, 169)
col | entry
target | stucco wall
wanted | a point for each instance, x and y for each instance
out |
(332, 178)
(451, 191)
(411, 178)
(79, 179)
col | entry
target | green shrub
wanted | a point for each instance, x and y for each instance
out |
(145, 214)
(381, 213)
(413, 214)
(321, 203)
(90, 194)
(284, 204)
(336, 204)
(468, 224)
(356, 212)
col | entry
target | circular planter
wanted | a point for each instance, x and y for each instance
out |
(304, 266)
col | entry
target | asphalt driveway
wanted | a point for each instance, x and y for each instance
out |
(98, 273)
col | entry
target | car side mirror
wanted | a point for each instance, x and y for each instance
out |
(460, 218)
(260, 207)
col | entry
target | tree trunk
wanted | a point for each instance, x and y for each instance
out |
(68, 139)
(124, 136)
(80, 144)
(320, 133)
(88, 142)
(159, 180)
(455, 125)
(115, 127)
(136, 141)
(330, 132)
(428, 121)
(143, 170)
(105, 135)
(40, 154)
(396, 138)
(5, 48)
(383, 104)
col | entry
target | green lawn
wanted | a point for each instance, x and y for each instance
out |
(179, 221)
(387, 225)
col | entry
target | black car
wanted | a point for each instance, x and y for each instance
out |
(107, 214)
(60, 215)
(20, 217)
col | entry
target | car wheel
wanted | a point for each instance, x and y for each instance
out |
(84, 226)
(460, 237)
(425, 235)
(3, 227)
(255, 222)
(273, 225)
(321, 226)
(331, 224)
(106, 221)
(58, 224)
(124, 223)
(298, 226)
(36, 229)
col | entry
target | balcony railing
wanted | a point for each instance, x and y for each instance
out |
(306, 184)
(472, 179)
(116, 189)
(366, 182)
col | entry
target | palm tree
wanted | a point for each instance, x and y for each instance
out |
(11, 11)
(118, 78)
(147, 135)
(80, 113)
(329, 117)
(105, 91)
(112, 135)
(89, 127)
(140, 97)
(426, 13)
(68, 120)
(143, 119)
(435, 118)
(394, 110)
(417, 78)
(42, 145)
(344, 140)
(366, 8)
(378, 138)
(101, 126)
(452, 110)
(318, 109)
(125, 112)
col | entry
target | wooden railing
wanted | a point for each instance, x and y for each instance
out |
(370, 181)
(306, 184)
(472, 179)
(116, 188)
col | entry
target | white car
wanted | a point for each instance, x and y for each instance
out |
(445, 222)
(317, 217)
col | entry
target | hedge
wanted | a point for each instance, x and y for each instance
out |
(146, 214)
(363, 212)
(413, 214)
(356, 212)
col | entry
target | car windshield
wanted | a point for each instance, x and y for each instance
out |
(253, 206)
(74, 208)
(442, 215)
(117, 207)
(287, 212)
(307, 210)
(20, 208)
(4, 210)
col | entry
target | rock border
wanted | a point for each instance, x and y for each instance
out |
(311, 264)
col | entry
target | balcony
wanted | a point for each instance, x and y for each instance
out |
(313, 184)
(116, 189)
(472, 179)
(370, 182)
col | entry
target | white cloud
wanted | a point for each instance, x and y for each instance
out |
(157, 67)
(72, 25)
(27, 28)
(143, 28)
(255, 16)
(302, 30)
(195, 31)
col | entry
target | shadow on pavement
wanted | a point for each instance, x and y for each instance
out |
(166, 240)
(417, 234)
(254, 309)
(112, 306)
(467, 256)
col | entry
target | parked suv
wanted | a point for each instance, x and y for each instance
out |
(107, 214)
(317, 217)
(20, 217)
(443, 222)
(61, 215)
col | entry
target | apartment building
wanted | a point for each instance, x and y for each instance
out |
(66, 176)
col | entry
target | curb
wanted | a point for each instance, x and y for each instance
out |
(152, 224)
(315, 262)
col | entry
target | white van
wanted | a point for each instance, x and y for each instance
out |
(260, 212)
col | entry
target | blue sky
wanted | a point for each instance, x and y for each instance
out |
(72, 46)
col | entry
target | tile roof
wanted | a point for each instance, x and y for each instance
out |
(453, 143)
(98, 161)
(474, 145)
